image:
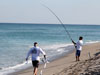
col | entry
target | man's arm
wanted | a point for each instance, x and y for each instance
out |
(28, 54)
(43, 53)
(73, 42)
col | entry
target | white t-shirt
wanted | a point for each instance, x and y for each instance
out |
(79, 45)
(35, 53)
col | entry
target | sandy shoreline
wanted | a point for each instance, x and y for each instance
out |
(66, 65)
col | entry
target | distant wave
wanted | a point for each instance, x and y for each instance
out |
(90, 42)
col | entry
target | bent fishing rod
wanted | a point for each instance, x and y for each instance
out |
(58, 20)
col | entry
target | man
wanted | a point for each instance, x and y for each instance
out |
(35, 52)
(78, 47)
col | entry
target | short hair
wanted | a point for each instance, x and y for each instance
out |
(35, 43)
(80, 38)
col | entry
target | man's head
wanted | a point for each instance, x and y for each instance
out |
(35, 44)
(80, 38)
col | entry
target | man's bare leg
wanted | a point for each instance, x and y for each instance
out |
(76, 58)
(35, 71)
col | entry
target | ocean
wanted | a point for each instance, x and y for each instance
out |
(16, 39)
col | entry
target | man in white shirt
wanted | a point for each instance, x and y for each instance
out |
(35, 52)
(78, 47)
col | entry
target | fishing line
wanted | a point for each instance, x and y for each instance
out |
(58, 20)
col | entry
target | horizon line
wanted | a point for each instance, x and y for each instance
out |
(44, 23)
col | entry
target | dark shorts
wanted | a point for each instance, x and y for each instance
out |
(35, 63)
(78, 52)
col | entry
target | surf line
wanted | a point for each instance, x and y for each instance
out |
(59, 21)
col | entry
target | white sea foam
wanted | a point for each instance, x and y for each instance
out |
(56, 46)
(90, 42)
(18, 67)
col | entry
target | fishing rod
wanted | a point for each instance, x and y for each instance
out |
(58, 20)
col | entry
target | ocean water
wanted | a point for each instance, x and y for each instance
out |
(17, 39)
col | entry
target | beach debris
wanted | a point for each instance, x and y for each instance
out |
(89, 55)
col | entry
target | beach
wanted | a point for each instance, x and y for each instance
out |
(66, 65)
(55, 25)
(17, 39)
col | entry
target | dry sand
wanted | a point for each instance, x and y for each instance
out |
(67, 65)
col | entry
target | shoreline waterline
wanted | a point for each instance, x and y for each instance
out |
(41, 64)
(55, 59)
(62, 50)
(64, 62)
